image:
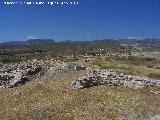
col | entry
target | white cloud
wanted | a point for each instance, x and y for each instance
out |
(31, 37)
(88, 33)
(134, 37)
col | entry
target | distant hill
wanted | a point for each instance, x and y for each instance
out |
(150, 41)
(145, 42)
(128, 41)
(14, 43)
(40, 41)
(103, 41)
(29, 42)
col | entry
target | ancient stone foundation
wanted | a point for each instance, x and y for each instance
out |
(112, 78)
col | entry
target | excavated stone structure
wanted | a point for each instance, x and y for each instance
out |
(112, 78)
(16, 74)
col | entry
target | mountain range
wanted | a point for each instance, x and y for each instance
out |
(30, 42)
(148, 41)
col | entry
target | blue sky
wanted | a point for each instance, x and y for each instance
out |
(89, 20)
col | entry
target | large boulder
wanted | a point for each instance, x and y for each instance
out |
(34, 70)
(79, 66)
(77, 84)
(156, 117)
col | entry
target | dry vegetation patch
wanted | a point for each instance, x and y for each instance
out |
(54, 100)
(127, 68)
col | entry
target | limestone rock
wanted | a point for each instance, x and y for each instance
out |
(112, 78)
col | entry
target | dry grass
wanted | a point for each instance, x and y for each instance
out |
(54, 100)
(126, 68)
(151, 54)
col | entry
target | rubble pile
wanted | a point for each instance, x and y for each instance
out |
(57, 69)
(17, 74)
(12, 78)
(156, 117)
(79, 66)
(112, 78)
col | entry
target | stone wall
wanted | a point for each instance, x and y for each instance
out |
(112, 78)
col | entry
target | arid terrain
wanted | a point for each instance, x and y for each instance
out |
(47, 94)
